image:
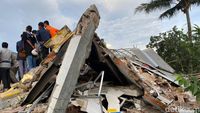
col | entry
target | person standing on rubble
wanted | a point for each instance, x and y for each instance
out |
(43, 36)
(52, 30)
(38, 48)
(21, 58)
(6, 58)
(29, 45)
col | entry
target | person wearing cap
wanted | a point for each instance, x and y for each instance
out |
(6, 58)
(52, 30)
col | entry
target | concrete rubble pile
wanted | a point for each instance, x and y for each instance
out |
(81, 75)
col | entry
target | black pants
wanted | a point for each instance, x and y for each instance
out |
(44, 52)
(5, 77)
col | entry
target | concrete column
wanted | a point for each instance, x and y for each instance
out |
(77, 52)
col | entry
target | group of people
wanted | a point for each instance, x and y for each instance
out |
(30, 51)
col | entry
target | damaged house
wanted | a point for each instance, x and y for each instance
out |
(81, 75)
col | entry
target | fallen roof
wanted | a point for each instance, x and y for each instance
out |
(58, 78)
(154, 58)
(148, 56)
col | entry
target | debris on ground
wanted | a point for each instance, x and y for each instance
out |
(81, 75)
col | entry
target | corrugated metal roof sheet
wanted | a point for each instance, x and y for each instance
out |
(155, 58)
(151, 57)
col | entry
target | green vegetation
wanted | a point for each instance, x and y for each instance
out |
(190, 83)
(175, 48)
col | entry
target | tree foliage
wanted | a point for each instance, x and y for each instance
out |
(171, 8)
(191, 83)
(175, 48)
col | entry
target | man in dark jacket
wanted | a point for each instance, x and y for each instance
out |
(29, 45)
(43, 36)
(6, 58)
(21, 60)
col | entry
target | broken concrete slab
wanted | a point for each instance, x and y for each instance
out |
(77, 51)
(113, 101)
(131, 90)
(80, 102)
(93, 106)
(91, 14)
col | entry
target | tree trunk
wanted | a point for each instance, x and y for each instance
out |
(189, 24)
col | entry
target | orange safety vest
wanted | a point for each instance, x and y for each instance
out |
(52, 31)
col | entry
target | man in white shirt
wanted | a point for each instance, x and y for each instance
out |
(6, 58)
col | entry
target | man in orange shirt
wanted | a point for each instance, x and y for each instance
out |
(52, 31)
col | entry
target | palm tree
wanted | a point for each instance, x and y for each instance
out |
(196, 32)
(172, 6)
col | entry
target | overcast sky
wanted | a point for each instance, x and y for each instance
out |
(119, 26)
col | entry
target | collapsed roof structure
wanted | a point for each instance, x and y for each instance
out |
(81, 75)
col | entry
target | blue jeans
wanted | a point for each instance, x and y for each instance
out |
(22, 68)
(31, 62)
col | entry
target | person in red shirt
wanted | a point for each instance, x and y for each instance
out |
(52, 31)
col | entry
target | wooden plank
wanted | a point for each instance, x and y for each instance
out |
(154, 101)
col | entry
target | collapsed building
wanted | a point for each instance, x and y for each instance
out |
(81, 75)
